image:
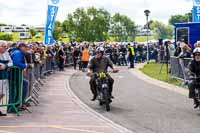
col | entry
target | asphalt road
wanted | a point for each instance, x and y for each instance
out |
(142, 107)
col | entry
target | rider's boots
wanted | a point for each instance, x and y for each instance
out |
(94, 98)
(196, 103)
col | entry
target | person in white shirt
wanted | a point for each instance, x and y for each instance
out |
(5, 62)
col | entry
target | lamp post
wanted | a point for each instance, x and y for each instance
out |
(147, 12)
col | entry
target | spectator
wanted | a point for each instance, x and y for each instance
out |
(61, 58)
(178, 50)
(5, 62)
(197, 44)
(186, 51)
(85, 58)
(19, 60)
(76, 53)
(131, 55)
(171, 49)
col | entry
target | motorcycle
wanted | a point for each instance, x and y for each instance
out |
(197, 89)
(102, 83)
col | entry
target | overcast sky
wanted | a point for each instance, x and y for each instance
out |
(33, 12)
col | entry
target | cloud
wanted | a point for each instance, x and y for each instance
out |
(34, 13)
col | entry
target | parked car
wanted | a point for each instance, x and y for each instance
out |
(25, 35)
(38, 35)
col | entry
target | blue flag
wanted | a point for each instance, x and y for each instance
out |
(51, 18)
(196, 11)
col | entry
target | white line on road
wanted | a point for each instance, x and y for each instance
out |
(93, 112)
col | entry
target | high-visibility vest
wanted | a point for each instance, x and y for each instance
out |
(85, 55)
(132, 51)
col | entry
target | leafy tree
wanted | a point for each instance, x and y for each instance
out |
(122, 28)
(161, 30)
(2, 24)
(180, 18)
(33, 32)
(88, 25)
(97, 25)
(58, 30)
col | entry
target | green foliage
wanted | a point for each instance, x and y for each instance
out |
(33, 32)
(2, 24)
(58, 30)
(97, 25)
(123, 28)
(180, 18)
(161, 30)
(87, 25)
(6, 37)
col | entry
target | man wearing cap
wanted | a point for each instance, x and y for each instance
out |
(19, 60)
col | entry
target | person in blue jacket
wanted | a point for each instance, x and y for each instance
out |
(19, 60)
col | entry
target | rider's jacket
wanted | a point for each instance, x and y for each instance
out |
(100, 65)
(194, 67)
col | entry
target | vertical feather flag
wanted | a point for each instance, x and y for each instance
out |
(53, 6)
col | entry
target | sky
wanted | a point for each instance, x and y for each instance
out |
(34, 13)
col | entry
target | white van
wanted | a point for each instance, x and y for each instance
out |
(5, 29)
(19, 29)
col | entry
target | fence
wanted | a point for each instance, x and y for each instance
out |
(12, 81)
(11, 89)
(179, 67)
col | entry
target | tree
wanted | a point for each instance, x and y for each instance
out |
(97, 25)
(88, 25)
(161, 30)
(2, 24)
(33, 32)
(180, 18)
(122, 28)
(58, 30)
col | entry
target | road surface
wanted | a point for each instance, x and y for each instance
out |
(142, 107)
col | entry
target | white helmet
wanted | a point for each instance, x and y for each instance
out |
(196, 50)
(100, 49)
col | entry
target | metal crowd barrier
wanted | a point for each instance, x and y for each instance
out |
(35, 76)
(179, 68)
(11, 89)
(11, 82)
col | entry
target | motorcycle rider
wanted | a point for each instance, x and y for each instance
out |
(98, 64)
(194, 68)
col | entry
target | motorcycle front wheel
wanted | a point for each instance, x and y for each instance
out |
(107, 99)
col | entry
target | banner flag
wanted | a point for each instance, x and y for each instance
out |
(196, 11)
(53, 6)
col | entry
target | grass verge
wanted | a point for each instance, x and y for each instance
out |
(153, 70)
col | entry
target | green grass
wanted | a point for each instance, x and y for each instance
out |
(153, 70)
(16, 38)
(143, 38)
(111, 39)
